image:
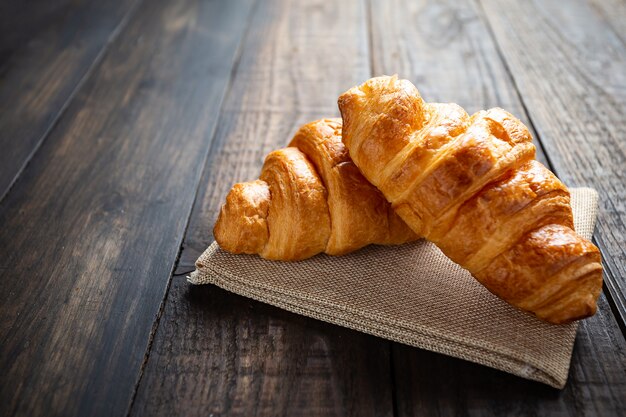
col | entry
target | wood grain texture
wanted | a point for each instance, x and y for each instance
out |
(612, 13)
(46, 49)
(216, 353)
(91, 232)
(447, 48)
(568, 64)
(220, 354)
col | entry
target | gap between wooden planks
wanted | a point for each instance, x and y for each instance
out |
(47, 50)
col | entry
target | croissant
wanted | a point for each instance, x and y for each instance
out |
(472, 186)
(310, 198)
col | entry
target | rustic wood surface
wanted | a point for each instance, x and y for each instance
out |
(122, 126)
(46, 50)
(91, 232)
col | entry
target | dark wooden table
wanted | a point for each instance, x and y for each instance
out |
(123, 123)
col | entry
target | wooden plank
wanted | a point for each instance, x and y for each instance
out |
(448, 51)
(221, 354)
(46, 49)
(612, 12)
(91, 232)
(574, 86)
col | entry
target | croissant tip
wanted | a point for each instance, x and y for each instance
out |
(241, 224)
(345, 98)
(585, 309)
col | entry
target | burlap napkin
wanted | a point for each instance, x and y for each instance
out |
(411, 294)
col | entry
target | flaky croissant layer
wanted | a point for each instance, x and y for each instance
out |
(471, 185)
(310, 198)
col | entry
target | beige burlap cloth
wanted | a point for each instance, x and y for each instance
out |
(411, 294)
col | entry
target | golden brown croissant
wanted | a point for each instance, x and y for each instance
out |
(471, 185)
(310, 198)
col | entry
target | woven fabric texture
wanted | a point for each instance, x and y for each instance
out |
(411, 294)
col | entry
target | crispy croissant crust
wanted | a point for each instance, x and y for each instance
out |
(471, 185)
(310, 198)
